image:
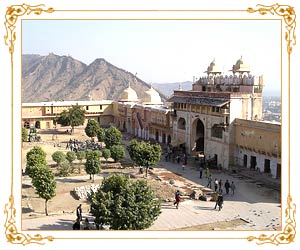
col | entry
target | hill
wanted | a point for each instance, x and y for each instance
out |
(54, 77)
(168, 88)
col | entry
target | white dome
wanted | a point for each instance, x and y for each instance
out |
(240, 66)
(129, 95)
(152, 97)
(213, 68)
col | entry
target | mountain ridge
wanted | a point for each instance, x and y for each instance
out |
(54, 77)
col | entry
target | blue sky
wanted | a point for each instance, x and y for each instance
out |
(162, 50)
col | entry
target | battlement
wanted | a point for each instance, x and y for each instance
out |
(231, 80)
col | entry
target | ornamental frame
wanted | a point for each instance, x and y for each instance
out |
(14, 12)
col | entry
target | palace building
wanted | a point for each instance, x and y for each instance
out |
(220, 117)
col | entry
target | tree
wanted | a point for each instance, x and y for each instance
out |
(91, 129)
(131, 148)
(117, 152)
(34, 158)
(144, 154)
(44, 184)
(24, 134)
(123, 204)
(92, 164)
(74, 116)
(64, 168)
(101, 134)
(80, 156)
(58, 157)
(113, 137)
(106, 153)
(71, 156)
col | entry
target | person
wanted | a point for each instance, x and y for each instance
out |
(86, 224)
(201, 171)
(207, 172)
(184, 161)
(79, 212)
(219, 202)
(227, 186)
(216, 184)
(177, 198)
(76, 225)
(232, 186)
(209, 180)
(220, 186)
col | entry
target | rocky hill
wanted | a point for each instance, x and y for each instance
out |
(53, 77)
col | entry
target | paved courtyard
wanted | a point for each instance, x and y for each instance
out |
(257, 206)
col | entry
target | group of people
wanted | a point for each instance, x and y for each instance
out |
(73, 145)
(76, 225)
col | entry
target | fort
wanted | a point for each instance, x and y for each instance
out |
(220, 119)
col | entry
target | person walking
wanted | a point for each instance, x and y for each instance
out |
(207, 172)
(209, 180)
(219, 202)
(201, 171)
(177, 198)
(184, 161)
(220, 186)
(227, 186)
(232, 186)
(79, 212)
(216, 184)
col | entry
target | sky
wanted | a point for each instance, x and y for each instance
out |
(162, 51)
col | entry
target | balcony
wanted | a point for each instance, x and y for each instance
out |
(224, 111)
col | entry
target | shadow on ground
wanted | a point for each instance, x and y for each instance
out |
(70, 180)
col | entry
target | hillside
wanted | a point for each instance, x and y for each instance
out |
(168, 88)
(53, 77)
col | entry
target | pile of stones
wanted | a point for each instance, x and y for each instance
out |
(82, 193)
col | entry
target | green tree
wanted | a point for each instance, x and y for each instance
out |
(106, 153)
(71, 156)
(80, 156)
(123, 204)
(58, 157)
(73, 117)
(44, 184)
(34, 158)
(64, 168)
(117, 152)
(113, 137)
(131, 148)
(92, 164)
(24, 134)
(144, 154)
(101, 134)
(91, 129)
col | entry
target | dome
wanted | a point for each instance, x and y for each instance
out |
(213, 68)
(240, 66)
(129, 95)
(152, 97)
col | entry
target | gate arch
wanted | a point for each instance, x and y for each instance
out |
(198, 135)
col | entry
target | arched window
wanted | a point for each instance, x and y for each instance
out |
(181, 123)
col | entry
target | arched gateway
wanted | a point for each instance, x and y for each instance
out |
(198, 135)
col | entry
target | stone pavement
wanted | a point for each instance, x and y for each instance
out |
(259, 207)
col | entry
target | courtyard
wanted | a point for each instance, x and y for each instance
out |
(254, 206)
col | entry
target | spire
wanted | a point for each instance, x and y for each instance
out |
(179, 87)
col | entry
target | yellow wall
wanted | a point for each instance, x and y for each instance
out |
(254, 135)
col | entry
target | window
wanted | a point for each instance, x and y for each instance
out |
(217, 132)
(87, 107)
(100, 107)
